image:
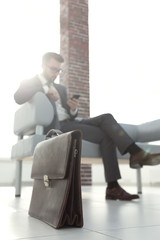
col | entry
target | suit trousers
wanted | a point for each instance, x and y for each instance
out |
(103, 130)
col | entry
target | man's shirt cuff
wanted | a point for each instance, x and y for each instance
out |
(73, 113)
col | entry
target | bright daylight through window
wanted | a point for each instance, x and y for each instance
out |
(125, 59)
(124, 56)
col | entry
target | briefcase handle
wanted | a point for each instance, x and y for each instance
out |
(53, 132)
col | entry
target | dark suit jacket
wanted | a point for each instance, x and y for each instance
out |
(28, 88)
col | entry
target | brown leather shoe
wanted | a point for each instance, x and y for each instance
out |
(143, 158)
(118, 193)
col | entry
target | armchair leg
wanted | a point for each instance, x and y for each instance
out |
(18, 179)
(139, 181)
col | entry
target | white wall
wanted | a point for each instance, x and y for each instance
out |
(150, 175)
(8, 169)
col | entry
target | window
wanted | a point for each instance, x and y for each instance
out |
(125, 59)
(28, 30)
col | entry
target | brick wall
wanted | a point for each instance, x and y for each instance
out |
(86, 174)
(75, 50)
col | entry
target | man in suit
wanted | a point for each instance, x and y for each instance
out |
(102, 129)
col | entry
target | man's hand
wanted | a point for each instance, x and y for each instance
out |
(53, 94)
(73, 103)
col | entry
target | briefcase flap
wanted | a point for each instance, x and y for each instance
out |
(51, 157)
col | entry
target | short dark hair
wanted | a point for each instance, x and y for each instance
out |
(47, 56)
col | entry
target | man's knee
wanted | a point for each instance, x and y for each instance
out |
(108, 116)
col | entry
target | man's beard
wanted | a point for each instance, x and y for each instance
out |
(49, 79)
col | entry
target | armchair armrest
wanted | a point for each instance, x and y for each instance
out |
(37, 111)
(149, 131)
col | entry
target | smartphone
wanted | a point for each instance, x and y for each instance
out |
(76, 96)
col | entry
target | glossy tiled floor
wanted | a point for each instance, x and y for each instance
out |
(103, 220)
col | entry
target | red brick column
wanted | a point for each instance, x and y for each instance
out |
(75, 50)
(86, 174)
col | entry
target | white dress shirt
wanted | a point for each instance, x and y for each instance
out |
(61, 111)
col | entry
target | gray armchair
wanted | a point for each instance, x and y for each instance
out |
(29, 122)
(31, 118)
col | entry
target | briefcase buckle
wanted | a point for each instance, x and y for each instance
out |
(46, 180)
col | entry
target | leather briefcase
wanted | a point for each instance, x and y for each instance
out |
(56, 197)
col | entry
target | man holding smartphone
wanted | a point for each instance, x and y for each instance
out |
(102, 129)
